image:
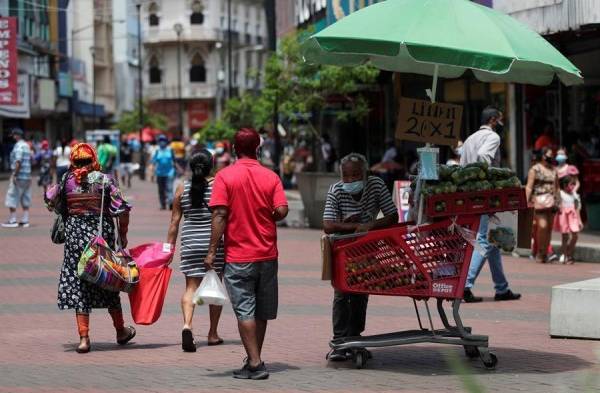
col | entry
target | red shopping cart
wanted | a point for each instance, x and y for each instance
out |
(421, 262)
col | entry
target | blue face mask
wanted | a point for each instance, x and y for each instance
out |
(353, 188)
(561, 159)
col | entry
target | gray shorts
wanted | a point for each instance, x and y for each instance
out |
(19, 193)
(252, 289)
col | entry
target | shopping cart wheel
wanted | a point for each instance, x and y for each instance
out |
(489, 360)
(360, 358)
(471, 351)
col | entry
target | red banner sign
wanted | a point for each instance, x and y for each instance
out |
(8, 61)
(198, 114)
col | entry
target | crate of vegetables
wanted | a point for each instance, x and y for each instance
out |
(473, 189)
(430, 260)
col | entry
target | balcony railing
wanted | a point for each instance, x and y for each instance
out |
(188, 91)
(155, 35)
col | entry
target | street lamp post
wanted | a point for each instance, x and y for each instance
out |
(93, 52)
(229, 51)
(139, 95)
(178, 30)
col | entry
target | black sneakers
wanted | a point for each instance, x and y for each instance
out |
(248, 372)
(337, 355)
(508, 295)
(468, 297)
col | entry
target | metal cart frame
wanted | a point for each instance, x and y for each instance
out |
(456, 334)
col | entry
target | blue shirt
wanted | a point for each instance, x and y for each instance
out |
(22, 153)
(163, 162)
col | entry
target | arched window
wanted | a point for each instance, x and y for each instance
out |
(153, 19)
(197, 17)
(197, 70)
(155, 71)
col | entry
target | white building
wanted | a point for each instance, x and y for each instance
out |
(92, 64)
(125, 47)
(190, 68)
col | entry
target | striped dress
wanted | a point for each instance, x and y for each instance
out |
(195, 235)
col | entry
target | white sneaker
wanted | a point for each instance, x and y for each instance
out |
(24, 224)
(10, 224)
(563, 259)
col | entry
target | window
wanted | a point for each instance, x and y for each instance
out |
(153, 19)
(197, 17)
(247, 33)
(155, 71)
(197, 70)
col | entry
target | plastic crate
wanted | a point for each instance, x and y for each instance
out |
(477, 202)
(431, 260)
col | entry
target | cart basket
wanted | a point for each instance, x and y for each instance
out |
(430, 260)
(476, 202)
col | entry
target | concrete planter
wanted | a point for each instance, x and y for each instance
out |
(313, 187)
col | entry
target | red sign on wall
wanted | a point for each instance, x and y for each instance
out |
(8, 61)
(198, 114)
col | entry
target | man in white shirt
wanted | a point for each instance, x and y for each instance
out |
(483, 146)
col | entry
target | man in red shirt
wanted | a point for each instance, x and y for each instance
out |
(247, 200)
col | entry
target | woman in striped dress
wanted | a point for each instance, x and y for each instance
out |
(191, 202)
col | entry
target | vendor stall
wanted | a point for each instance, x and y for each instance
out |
(430, 258)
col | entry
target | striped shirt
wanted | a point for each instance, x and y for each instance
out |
(195, 235)
(22, 153)
(340, 205)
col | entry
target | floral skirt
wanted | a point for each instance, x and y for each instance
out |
(74, 293)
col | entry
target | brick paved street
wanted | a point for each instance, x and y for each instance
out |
(37, 340)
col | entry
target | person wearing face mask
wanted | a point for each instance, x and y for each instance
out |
(163, 161)
(352, 205)
(563, 168)
(484, 146)
(543, 193)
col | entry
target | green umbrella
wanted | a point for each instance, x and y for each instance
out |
(441, 38)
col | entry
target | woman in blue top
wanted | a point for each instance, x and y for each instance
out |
(164, 170)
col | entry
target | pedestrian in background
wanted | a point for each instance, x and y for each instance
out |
(82, 195)
(191, 203)
(19, 188)
(107, 155)
(484, 146)
(568, 220)
(543, 193)
(563, 168)
(352, 205)
(61, 159)
(163, 161)
(126, 161)
(247, 200)
(179, 151)
(44, 159)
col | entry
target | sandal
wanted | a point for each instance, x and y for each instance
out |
(129, 337)
(84, 348)
(213, 343)
(187, 341)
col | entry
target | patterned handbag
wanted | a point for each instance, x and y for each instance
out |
(110, 270)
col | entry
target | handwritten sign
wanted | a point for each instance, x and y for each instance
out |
(423, 121)
(8, 61)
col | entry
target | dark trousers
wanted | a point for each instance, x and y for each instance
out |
(349, 314)
(164, 190)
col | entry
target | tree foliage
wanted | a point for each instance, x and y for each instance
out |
(300, 90)
(129, 121)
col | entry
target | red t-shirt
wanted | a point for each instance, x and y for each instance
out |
(251, 192)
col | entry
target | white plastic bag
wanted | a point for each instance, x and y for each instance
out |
(211, 290)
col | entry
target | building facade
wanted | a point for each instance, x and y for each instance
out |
(186, 57)
(38, 111)
(91, 64)
(125, 48)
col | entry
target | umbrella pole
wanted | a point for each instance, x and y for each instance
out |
(431, 92)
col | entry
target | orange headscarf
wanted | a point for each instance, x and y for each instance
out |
(83, 151)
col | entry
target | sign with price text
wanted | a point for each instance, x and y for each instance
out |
(423, 121)
(8, 61)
